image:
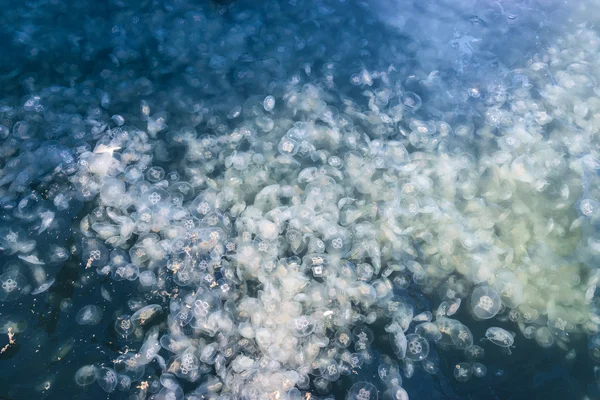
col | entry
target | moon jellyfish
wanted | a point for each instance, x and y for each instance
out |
(474, 352)
(417, 347)
(411, 101)
(86, 375)
(330, 370)
(362, 391)
(147, 278)
(43, 287)
(485, 302)
(423, 317)
(398, 393)
(509, 288)
(462, 372)
(479, 370)
(123, 325)
(145, 314)
(461, 336)
(12, 283)
(89, 315)
(107, 379)
(429, 331)
(500, 337)
(388, 368)
(453, 306)
(544, 337)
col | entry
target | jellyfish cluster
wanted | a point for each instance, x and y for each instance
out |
(272, 219)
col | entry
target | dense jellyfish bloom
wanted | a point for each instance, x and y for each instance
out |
(267, 212)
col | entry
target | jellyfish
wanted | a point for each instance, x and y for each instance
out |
(123, 325)
(485, 302)
(417, 347)
(43, 287)
(89, 315)
(86, 375)
(146, 314)
(500, 337)
(462, 371)
(12, 283)
(479, 370)
(362, 391)
(544, 337)
(423, 317)
(107, 379)
(397, 393)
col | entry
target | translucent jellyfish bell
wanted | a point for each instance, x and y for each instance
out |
(429, 331)
(462, 372)
(411, 101)
(544, 337)
(398, 393)
(86, 375)
(43, 287)
(485, 302)
(362, 391)
(500, 337)
(479, 370)
(89, 315)
(12, 283)
(106, 378)
(145, 314)
(417, 347)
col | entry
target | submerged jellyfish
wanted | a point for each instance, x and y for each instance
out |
(362, 391)
(479, 370)
(107, 379)
(462, 372)
(417, 347)
(85, 375)
(89, 315)
(500, 337)
(485, 302)
(43, 287)
(124, 326)
(12, 283)
(142, 316)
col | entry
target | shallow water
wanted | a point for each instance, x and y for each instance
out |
(428, 97)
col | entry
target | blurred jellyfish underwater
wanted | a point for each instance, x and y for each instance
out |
(298, 200)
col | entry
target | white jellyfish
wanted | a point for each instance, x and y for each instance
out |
(145, 314)
(12, 283)
(107, 379)
(479, 370)
(362, 391)
(462, 372)
(86, 375)
(417, 347)
(485, 302)
(89, 315)
(500, 337)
